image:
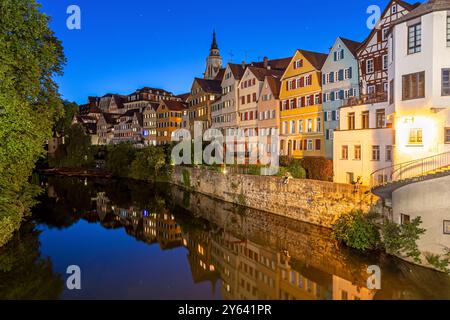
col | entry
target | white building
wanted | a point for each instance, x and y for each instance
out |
(364, 142)
(420, 92)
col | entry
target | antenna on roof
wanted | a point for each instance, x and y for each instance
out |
(231, 54)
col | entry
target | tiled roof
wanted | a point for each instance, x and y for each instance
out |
(275, 85)
(317, 59)
(175, 105)
(111, 118)
(261, 73)
(184, 96)
(276, 64)
(237, 70)
(351, 45)
(425, 8)
(220, 74)
(210, 86)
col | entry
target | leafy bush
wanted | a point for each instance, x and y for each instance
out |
(296, 169)
(318, 168)
(357, 231)
(119, 157)
(402, 239)
(440, 262)
(148, 163)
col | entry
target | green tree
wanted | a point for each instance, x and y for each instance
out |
(78, 147)
(64, 123)
(119, 158)
(148, 164)
(30, 56)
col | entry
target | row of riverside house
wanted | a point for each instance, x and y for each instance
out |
(343, 105)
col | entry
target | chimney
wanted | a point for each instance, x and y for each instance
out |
(243, 64)
(266, 62)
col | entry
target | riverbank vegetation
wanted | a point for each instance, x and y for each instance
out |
(30, 56)
(370, 232)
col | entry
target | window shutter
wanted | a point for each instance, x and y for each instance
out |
(342, 54)
(333, 115)
(332, 96)
(305, 144)
(302, 82)
(335, 56)
(295, 104)
(303, 101)
(324, 79)
(341, 94)
(324, 97)
(332, 77)
(341, 75)
(287, 85)
(325, 116)
(350, 72)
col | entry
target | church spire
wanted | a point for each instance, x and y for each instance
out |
(214, 45)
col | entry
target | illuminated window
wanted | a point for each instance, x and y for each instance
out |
(415, 136)
(446, 82)
(388, 153)
(448, 31)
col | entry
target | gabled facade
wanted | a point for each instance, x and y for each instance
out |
(123, 129)
(373, 54)
(203, 94)
(149, 124)
(250, 88)
(340, 83)
(169, 118)
(301, 106)
(269, 111)
(143, 97)
(225, 112)
(105, 127)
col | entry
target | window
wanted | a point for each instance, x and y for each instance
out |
(357, 152)
(394, 8)
(375, 153)
(310, 145)
(310, 125)
(350, 180)
(391, 92)
(384, 34)
(446, 82)
(344, 153)
(285, 127)
(415, 39)
(351, 121)
(405, 219)
(365, 120)
(385, 62)
(446, 227)
(318, 144)
(292, 126)
(371, 89)
(448, 31)
(447, 135)
(298, 64)
(370, 66)
(388, 153)
(319, 125)
(415, 136)
(381, 118)
(300, 126)
(414, 86)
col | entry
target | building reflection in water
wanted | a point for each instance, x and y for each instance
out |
(243, 254)
(245, 269)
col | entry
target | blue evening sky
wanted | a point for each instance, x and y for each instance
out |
(124, 45)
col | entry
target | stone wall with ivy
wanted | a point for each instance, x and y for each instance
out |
(316, 202)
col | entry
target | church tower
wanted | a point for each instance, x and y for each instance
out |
(214, 61)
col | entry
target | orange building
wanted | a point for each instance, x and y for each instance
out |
(169, 117)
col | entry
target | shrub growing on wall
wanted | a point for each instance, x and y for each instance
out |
(357, 230)
(318, 168)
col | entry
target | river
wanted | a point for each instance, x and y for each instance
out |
(133, 240)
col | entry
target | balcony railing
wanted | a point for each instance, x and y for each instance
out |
(411, 171)
(366, 99)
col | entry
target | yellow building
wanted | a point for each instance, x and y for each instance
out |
(302, 133)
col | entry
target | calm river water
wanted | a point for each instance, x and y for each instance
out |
(139, 241)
